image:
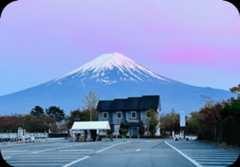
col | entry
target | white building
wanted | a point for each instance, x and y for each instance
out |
(81, 129)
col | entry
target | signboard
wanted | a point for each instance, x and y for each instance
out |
(182, 119)
(20, 132)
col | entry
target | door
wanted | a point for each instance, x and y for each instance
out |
(133, 132)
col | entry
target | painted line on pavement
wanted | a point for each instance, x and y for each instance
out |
(97, 152)
(109, 147)
(39, 164)
(15, 151)
(75, 150)
(184, 155)
(51, 149)
(76, 161)
(6, 158)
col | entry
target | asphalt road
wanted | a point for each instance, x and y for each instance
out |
(119, 153)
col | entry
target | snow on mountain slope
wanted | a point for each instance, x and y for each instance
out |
(126, 67)
(111, 76)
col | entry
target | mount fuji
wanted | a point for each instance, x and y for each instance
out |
(111, 76)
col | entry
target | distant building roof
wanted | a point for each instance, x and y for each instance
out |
(90, 125)
(129, 104)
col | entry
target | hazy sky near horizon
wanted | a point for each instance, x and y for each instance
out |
(196, 42)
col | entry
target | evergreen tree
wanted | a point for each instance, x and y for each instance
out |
(37, 111)
(55, 113)
(153, 121)
(123, 129)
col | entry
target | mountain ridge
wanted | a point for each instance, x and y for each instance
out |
(111, 76)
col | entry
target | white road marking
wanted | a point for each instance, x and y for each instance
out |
(97, 152)
(217, 163)
(39, 164)
(184, 155)
(39, 161)
(214, 160)
(51, 149)
(6, 158)
(87, 150)
(215, 166)
(76, 161)
(14, 151)
(138, 150)
(109, 147)
(48, 159)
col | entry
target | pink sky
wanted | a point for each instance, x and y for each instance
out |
(197, 42)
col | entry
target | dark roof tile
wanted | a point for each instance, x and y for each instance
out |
(131, 103)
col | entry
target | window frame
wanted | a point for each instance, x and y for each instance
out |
(119, 112)
(135, 117)
(105, 116)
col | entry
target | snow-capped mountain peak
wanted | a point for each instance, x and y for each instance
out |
(111, 76)
(110, 61)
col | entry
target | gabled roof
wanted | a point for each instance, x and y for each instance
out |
(129, 104)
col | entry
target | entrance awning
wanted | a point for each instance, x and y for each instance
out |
(90, 125)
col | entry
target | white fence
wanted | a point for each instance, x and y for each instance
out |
(11, 137)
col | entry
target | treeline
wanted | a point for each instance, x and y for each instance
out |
(218, 122)
(38, 120)
(81, 115)
(52, 119)
(170, 123)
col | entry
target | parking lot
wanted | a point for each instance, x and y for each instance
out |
(118, 153)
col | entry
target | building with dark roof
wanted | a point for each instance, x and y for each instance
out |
(132, 111)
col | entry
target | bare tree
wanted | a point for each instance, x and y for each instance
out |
(90, 104)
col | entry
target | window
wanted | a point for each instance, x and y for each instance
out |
(105, 115)
(119, 115)
(133, 115)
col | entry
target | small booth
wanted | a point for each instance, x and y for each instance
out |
(89, 130)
